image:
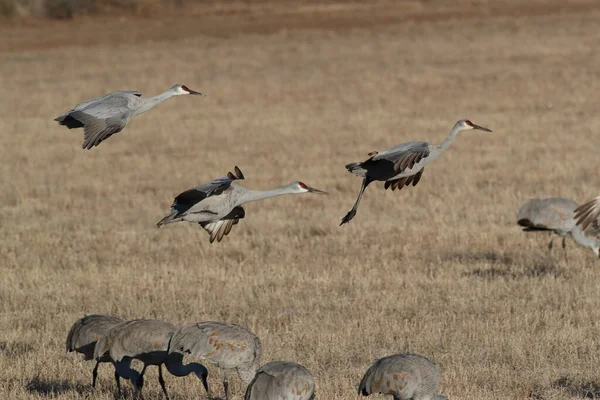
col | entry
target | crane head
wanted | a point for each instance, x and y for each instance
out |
(180, 89)
(301, 187)
(465, 124)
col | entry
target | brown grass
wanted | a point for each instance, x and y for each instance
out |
(440, 269)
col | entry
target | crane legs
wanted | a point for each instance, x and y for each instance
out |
(161, 380)
(95, 374)
(564, 246)
(226, 384)
(352, 212)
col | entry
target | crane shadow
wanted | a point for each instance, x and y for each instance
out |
(49, 388)
(507, 266)
(585, 390)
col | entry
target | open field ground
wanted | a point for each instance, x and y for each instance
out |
(439, 269)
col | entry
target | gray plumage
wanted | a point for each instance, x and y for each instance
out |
(281, 380)
(403, 376)
(217, 205)
(556, 215)
(104, 116)
(146, 340)
(588, 215)
(84, 334)
(402, 165)
(226, 345)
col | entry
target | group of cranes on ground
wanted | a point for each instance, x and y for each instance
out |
(108, 339)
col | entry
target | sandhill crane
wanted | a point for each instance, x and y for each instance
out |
(104, 116)
(281, 380)
(556, 215)
(589, 214)
(404, 376)
(146, 340)
(84, 334)
(217, 205)
(226, 345)
(401, 165)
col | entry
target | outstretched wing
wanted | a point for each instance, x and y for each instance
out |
(404, 156)
(222, 227)
(103, 118)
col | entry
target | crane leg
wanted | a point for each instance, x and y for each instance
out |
(95, 374)
(226, 384)
(140, 383)
(550, 246)
(564, 246)
(352, 212)
(161, 380)
(118, 380)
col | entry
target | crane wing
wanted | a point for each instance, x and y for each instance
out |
(404, 156)
(103, 118)
(225, 344)
(186, 200)
(589, 214)
(551, 213)
(222, 227)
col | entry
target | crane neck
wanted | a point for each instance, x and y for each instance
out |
(126, 372)
(451, 137)
(176, 367)
(249, 195)
(149, 102)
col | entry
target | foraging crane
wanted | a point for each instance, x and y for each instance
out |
(404, 376)
(589, 214)
(401, 165)
(84, 334)
(556, 215)
(281, 380)
(226, 345)
(104, 116)
(217, 205)
(146, 340)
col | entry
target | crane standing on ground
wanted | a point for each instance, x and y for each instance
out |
(84, 334)
(404, 376)
(401, 165)
(146, 340)
(556, 215)
(226, 345)
(217, 205)
(281, 380)
(104, 116)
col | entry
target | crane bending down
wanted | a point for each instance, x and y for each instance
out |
(146, 340)
(556, 215)
(217, 205)
(84, 334)
(401, 165)
(226, 345)
(281, 380)
(104, 116)
(404, 376)
(589, 214)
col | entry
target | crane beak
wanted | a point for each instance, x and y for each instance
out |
(316, 191)
(196, 93)
(481, 128)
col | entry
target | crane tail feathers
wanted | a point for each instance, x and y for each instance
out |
(168, 219)
(356, 169)
(68, 121)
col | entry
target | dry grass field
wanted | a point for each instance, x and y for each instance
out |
(295, 92)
